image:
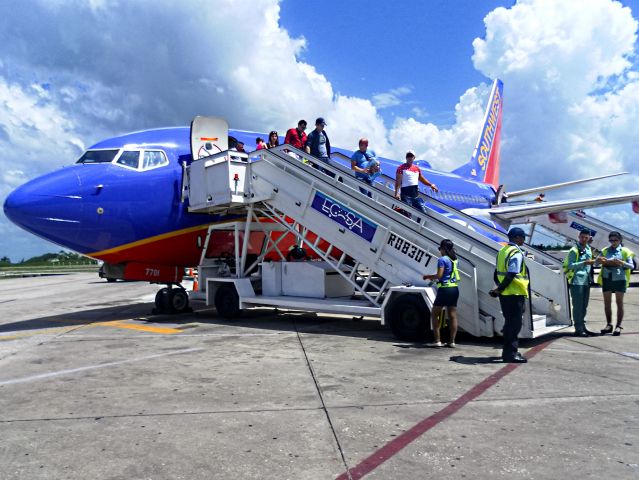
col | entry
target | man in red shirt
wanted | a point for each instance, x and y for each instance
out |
(296, 137)
(408, 177)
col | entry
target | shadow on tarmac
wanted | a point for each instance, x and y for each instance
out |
(84, 317)
(475, 360)
(262, 319)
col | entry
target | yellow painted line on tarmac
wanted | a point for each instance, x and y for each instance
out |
(114, 323)
(141, 328)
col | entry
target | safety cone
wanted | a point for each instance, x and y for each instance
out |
(196, 285)
(189, 273)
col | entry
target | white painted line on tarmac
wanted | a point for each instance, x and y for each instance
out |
(631, 354)
(43, 376)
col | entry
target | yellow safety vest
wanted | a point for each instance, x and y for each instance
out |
(453, 280)
(626, 253)
(519, 284)
(571, 273)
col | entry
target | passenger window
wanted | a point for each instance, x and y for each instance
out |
(154, 159)
(129, 159)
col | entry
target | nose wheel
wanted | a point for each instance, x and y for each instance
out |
(172, 300)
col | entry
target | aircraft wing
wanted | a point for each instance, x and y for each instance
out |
(554, 186)
(514, 212)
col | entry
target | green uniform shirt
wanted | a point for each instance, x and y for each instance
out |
(577, 263)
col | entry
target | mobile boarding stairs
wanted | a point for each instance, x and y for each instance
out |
(370, 257)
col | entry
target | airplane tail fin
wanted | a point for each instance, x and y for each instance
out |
(484, 163)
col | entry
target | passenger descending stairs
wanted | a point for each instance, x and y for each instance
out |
(378, 246)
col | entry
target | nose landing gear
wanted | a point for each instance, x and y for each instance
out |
(172, 299)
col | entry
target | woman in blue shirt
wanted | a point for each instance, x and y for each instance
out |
(616, 264)
(447, 277)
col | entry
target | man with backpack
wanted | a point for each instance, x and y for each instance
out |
(577, 267)
(318, 145)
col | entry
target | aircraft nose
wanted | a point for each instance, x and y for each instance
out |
(48, 206)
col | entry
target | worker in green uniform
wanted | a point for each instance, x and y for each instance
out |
(578, 265)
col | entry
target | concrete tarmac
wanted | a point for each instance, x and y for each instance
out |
(92, 386)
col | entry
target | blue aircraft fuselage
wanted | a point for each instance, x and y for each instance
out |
(113, 211)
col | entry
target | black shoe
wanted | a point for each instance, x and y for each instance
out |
(580, 334)
(590, 333)
(517, 358)
(607, 329)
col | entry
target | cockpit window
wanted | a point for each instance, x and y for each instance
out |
(98, 156)
(129, 159)
(154, 159)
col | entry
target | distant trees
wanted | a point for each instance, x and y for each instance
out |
(60, 258)
(543, 247)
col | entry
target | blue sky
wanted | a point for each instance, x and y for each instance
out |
(365, 48)
(405, 74)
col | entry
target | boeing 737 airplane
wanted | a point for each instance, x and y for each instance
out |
(121, 202)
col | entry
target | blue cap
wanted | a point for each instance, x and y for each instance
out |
(320, 120)
(516, 232)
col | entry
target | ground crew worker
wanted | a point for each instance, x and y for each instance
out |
(511, 277)
(614, 277)
(578, 265)
(447, 277)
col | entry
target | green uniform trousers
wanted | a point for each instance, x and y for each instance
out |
(580, 295)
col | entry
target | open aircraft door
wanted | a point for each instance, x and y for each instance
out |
(209, 135)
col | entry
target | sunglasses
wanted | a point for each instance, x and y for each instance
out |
(614, 239)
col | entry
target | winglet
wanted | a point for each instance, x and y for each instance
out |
(484, 162)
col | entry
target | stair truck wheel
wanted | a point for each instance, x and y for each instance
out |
(227, 301)
(410, 318)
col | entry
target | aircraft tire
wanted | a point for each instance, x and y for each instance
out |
(162, 300)
(178, 300)
(410, 318)
(227, 301)
(111, 280)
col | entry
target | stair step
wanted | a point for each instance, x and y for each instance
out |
(539, 322)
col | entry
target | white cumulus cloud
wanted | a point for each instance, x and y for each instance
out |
(75, 71)
(555, 58)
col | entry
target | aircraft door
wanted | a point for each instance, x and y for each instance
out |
(209, 135)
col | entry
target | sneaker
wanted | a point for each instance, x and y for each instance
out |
(435, 344)
(451, 345)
